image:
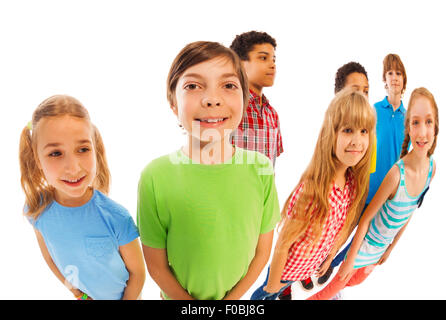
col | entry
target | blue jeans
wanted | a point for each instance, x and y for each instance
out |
(260, 294)
(341, 255)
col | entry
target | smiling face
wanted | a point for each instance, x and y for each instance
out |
(66, 157)
(421, 125)
(209, 100)
(351, 145)
(260, 67)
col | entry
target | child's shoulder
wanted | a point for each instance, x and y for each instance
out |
(162, 163)
(253, 158)
(109, 206)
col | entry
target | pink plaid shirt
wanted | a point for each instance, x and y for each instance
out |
(301, 264)
(259, 129)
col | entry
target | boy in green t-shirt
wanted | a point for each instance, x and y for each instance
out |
(206, 213)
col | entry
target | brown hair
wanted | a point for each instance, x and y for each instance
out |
(393, 61)
(348, 108)
(37, 191)
(201, 51)
(419, 92)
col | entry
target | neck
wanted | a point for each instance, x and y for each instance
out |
(256, 89)
(418, 160)
(205, 152)
(339, 177)
(394, 100)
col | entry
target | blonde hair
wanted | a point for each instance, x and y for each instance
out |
(38, 193)
(419, 92)
(349, 108)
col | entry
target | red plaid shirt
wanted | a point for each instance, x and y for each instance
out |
(302, 263)
(259, 129)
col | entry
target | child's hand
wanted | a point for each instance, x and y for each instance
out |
(385, 256)
(345, 271)
(273, 288)
(324, 266)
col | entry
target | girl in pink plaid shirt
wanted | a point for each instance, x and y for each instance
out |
(322, 210)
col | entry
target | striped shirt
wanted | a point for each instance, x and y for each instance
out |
(302, 263)
(259, 129)
(389, 220)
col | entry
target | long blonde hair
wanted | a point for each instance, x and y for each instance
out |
(348, 108)
(38, 193)
(423, 92)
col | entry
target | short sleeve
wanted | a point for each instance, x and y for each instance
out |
(128, 231)
(271, 209)
(152, 232)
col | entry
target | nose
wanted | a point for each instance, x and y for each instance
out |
(71, 164)
(211, 99)
(356, 138)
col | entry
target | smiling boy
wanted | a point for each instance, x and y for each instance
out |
(259, 129)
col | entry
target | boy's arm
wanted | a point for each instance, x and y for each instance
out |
(159, 270)
(46, 255)
(134, 262)
(385, 191)
(256, 266)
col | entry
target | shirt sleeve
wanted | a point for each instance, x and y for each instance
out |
(153, 233)
(279, 138)
(128, 231)
(271, 209)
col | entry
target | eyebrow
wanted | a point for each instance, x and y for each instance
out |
(197, 75)
(57, 144)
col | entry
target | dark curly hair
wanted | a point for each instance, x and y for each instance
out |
(344, 71)
(244, 42)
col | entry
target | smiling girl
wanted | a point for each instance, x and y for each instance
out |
(89, 242)
(401, 192)
(206, 213)
(323, 209)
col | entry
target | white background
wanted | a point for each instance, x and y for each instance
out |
(114, 57)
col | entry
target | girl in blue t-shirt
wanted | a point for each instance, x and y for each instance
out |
(89, 242)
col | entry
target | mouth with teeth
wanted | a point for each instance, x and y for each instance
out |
(211, 122)
(421, 143)
(73, 182)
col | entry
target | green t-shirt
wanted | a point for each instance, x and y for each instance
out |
(208, 217)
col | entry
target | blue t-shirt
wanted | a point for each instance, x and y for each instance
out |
(390, 137)
(84, 244)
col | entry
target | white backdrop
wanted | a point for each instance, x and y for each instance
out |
(114, 57)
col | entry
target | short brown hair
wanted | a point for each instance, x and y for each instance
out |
(393, 61)
(201, 51)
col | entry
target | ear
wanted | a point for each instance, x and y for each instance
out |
(174, 110)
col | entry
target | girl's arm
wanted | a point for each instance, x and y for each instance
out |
(256, 266)
(385, 191)
(392, 245)
(46, 255)
(159, 270)
(279, 259)
(134, 262)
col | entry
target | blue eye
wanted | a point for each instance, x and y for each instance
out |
(84, 149)
(55, 154)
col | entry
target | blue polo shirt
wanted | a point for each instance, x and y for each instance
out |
(390, 136)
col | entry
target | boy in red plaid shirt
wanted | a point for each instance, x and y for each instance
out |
(259, 129)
